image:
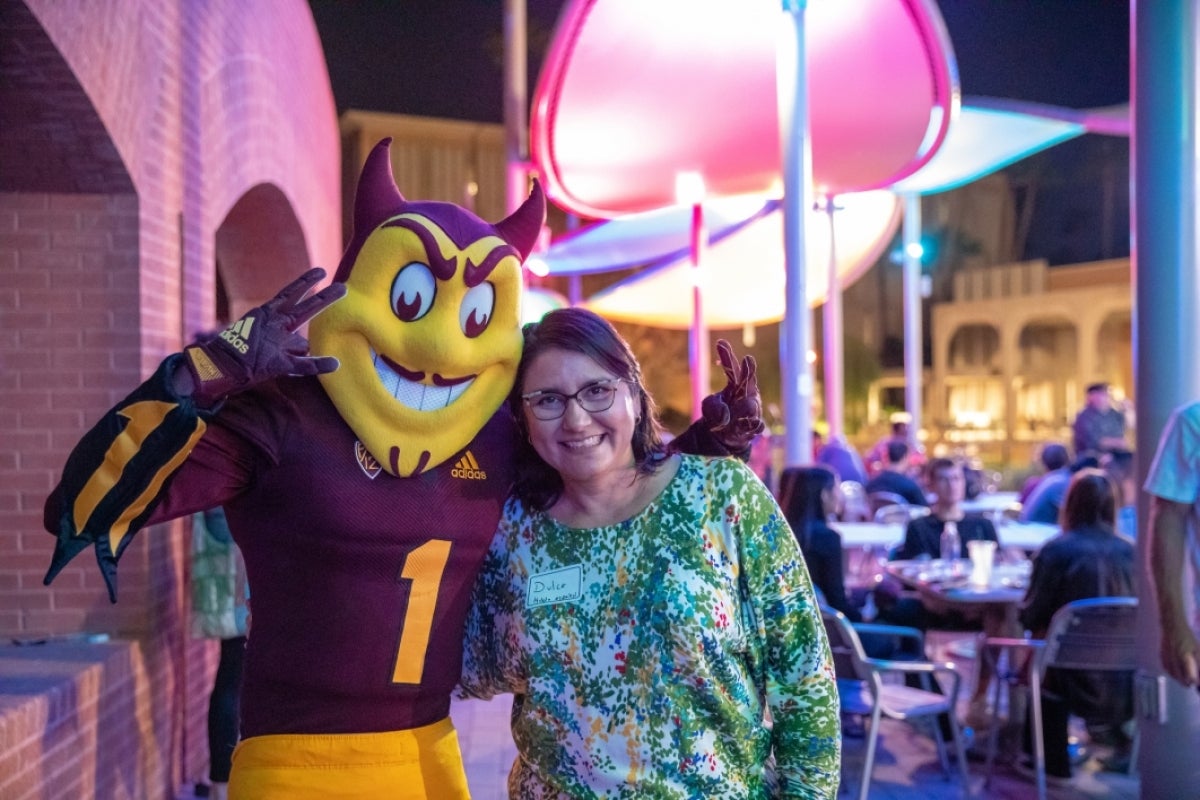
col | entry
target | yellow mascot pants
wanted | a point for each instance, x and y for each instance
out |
(418, 764)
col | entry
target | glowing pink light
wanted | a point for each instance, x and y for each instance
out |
(632, 92)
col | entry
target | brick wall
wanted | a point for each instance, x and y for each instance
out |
(132, 129)
(70, 349)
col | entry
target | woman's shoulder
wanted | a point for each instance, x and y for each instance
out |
(1071, 545)
(726, 478)
(724, 471)
(713, 463)
(518, 516)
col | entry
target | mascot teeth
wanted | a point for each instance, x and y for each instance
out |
(417, 396)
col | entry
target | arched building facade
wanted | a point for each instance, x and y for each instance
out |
(1015, 349)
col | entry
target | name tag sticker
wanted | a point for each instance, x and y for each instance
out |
(556, 586)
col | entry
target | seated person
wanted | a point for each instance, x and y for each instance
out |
(1119, 466)
(1086, 560)
(923, 538)
(924, 534)
(894, 476)
(808, 496)
(1053, 457)
(1045, 502)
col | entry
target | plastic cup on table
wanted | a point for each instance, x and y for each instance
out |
(983, 555)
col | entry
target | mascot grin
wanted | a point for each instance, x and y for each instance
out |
(428, 335)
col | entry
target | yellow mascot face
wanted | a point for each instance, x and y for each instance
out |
(428, 335)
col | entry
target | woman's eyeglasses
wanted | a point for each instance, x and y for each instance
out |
(593, 398)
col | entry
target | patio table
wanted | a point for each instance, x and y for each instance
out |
(944, 586)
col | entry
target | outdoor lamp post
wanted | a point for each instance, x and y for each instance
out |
(689, 190)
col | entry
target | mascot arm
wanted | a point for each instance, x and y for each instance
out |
(730, 419)
(117, 475)
(114, 476)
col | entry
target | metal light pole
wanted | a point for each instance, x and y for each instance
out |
(796, 390)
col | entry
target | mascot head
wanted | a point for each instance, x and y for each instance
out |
(429, 332)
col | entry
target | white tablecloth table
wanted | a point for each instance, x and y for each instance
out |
(989, 502)
(1025, 535)
(869, 534)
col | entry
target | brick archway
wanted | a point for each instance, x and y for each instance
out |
(259, 247)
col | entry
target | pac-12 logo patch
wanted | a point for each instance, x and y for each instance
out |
(366, 462)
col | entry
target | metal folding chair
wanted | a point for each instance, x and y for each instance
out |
(855, 670)
(1098, 633)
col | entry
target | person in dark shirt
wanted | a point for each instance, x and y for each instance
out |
(807, 496)
(1045, 503)
(924, 534)
(1088, 559)
(1053, 456)
(894, 476)
(923, 537)
(1098, 428)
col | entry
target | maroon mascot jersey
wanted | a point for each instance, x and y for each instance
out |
(365, 576)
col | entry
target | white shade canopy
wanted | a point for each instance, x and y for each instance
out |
(743, 271)
(743, 267)
(989, 134)
(651, 236)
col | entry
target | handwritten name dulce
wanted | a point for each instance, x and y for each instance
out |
(555, 586)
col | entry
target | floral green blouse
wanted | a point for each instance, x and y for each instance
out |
(644, 655)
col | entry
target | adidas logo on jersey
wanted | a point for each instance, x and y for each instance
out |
(467, 467)
(238, 333)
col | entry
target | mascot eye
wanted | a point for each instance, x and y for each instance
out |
(476, 311)
(412, 292)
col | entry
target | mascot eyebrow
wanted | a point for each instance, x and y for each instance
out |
(443, 268)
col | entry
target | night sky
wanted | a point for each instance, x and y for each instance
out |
(443, 58)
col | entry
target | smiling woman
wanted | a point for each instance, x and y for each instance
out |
(569, 355)
(639, 593)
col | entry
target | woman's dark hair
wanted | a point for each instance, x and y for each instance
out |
(1091, 501)
(800, 498)
(578, 330)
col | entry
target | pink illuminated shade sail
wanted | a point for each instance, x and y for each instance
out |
(635, 91)
(743, 272)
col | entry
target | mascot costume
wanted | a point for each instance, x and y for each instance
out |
(363, 485)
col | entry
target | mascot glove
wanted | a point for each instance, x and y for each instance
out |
(263, 344)
(734, 416)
